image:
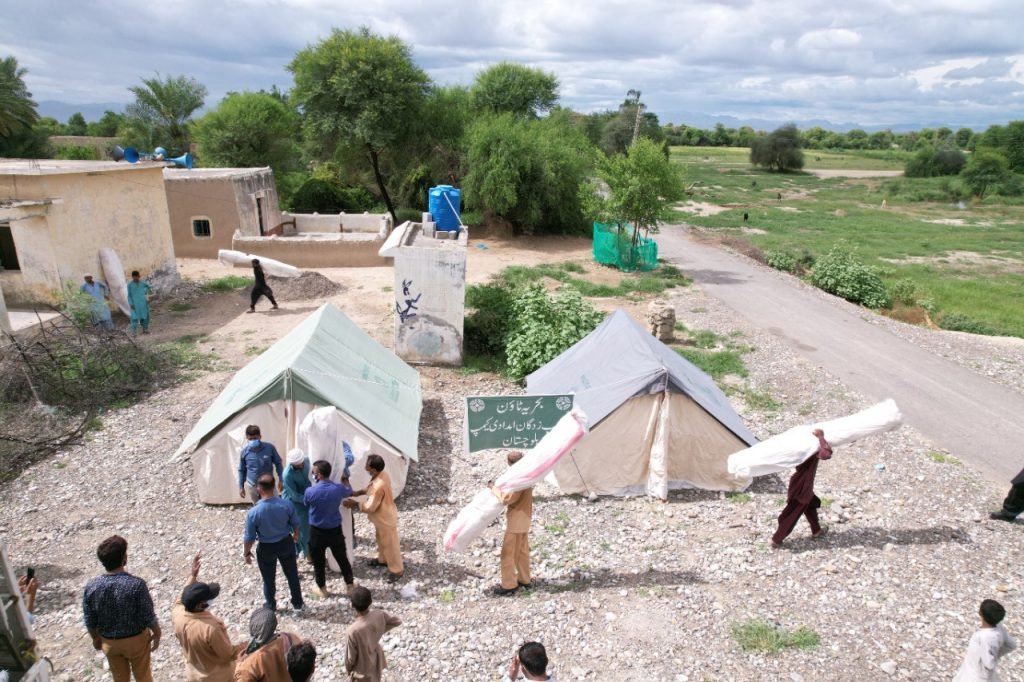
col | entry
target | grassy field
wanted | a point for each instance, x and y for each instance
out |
(967, 264)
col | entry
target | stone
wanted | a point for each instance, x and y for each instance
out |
(889, 667)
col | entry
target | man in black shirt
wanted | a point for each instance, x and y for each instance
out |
(119, 615)
(260, 288)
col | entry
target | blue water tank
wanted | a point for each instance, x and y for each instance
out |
(444, 203)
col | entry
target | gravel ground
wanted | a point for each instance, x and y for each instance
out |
(626, 588)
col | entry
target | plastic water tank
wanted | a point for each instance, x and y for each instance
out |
(444, 203)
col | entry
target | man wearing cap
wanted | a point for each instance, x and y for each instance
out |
(99, 310)
(272, 521)
(296, 481)
(800, 498)
(382, 512)
(324, 502)
(209, 653)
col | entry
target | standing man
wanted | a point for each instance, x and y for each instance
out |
(296, 482)
(119, 615)
(99, 309)
(259, 287)
(515, 546)
(272, 521)
(138, 300)
(380, 508)
(1013, 505)
(324, 502)
(209, 653)
(800, 499)
(257, 458)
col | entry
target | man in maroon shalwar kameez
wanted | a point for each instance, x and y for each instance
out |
(801, 500)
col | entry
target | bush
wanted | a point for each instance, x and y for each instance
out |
(778, 151)
(840, 272)
(319, 195)
(903, 291)
(413, 215)
(544, 326)
(958, 322)
(487, 326)
(780, 260)
(930, 163)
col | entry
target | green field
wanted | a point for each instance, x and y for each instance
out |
(967, 264)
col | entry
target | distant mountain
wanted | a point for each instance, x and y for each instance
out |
(701, 120)
(92, 112)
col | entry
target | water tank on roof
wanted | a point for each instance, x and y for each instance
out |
(444, 203)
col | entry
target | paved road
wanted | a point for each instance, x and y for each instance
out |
(974, 418)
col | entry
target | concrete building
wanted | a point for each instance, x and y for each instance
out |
(209, 205)
(349, 240)
(56, 215)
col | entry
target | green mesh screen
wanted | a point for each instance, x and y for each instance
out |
(614, 245)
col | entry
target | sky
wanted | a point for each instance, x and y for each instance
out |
(870, 63)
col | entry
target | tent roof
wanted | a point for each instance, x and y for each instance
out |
(619, 360)
(326, 360)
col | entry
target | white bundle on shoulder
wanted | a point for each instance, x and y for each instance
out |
(485, 506)
(791, 448)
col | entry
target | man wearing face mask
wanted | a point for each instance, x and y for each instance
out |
(257, 458)
(324, 501)
(209, 654)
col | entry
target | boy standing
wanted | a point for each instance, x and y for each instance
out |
(138, 299)
(990, 643)
(364, 656)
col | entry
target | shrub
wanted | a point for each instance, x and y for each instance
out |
(487, 326)
(903, 291)
(778, 151)
(780, 260)
(840, 272)
(929, 163)
(958, 322)
(544, 326)
(759, 635)
(319, 195)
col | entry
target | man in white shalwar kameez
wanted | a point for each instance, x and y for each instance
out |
(990, 643)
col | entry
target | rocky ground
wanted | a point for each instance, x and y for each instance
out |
(625, 589)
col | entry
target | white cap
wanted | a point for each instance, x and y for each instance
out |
(295, 456)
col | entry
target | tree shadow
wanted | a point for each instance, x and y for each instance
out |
(878, 538)
(430, 477)
(607, 578)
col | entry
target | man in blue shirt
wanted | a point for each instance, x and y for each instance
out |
(324, 503)
(99, 310)
(273, 522)
(257, 458)
(119, 615)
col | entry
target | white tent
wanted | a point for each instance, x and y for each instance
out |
(368, 397)
(658, 422)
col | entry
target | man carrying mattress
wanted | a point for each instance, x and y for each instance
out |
(800, 499)
(515, 546)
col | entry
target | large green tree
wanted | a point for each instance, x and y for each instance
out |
(162, 111)
(359, 90)
(108, 126)
(248, 129)
(76, 124)
(17, 110)
(517, 89)
(985, 170)
(779, 150)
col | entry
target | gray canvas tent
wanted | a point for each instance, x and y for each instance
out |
(325, 361)
(658, 423)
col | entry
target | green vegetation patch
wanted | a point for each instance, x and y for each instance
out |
(764, 637)
(717, 364)
(228, 283)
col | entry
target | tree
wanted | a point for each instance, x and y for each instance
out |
(17, 110)
(985, 170)
(162, 111)
(962, 137)
(528, 172)
(509, 88)
(779, 150)
(358, 89)
(642, 185)
(76, 124)
(929, 163)
(108, 126)
(248, 129)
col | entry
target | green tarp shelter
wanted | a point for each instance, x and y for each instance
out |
(327, 360)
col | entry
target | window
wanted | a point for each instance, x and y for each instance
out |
(200, 227)
(8, 254)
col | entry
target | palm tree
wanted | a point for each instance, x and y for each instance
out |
(17, 110)
(163, 109)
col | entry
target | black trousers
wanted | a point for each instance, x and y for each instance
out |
(322, 539)
(258, 291)
(1014, 502)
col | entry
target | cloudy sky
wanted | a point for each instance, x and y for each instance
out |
(867, 62)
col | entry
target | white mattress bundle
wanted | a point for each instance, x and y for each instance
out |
(485, 507)
(274, 268)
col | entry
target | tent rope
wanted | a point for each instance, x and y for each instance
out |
(580, 474)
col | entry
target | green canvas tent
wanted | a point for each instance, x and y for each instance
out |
(327, 360)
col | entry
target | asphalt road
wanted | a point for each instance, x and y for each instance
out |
(979, 421)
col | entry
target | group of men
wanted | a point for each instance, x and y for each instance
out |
(307, 520)
(139, 292)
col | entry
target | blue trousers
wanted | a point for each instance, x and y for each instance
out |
(268, 556)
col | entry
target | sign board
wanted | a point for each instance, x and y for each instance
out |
(512, 421)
